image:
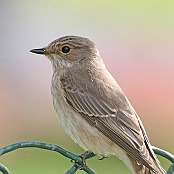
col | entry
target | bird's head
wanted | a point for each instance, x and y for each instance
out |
(69, 50)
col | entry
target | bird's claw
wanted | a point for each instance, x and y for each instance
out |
(103, 157)
(83, 157)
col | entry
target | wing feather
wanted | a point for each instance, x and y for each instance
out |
(120, 126)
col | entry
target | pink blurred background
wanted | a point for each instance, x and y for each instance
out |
(135, 40)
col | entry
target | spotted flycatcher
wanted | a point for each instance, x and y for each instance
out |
(93, 109)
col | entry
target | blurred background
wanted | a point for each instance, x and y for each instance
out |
(135, 40)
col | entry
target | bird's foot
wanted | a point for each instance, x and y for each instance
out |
(103, 157)
(83, 157)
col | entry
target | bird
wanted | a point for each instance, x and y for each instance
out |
(93, 109)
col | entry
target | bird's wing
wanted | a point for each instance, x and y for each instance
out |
(118, 125)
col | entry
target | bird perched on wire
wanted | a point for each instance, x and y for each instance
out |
(93, 109)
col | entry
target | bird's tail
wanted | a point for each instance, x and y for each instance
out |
(139, 168)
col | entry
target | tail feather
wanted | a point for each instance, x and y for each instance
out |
(141, 169)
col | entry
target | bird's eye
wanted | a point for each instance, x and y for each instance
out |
(65, 49)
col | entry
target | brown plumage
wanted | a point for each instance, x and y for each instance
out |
(93, 109)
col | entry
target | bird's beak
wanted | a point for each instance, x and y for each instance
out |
(39, 51)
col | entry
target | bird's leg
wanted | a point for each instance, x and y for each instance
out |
(83, 156)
